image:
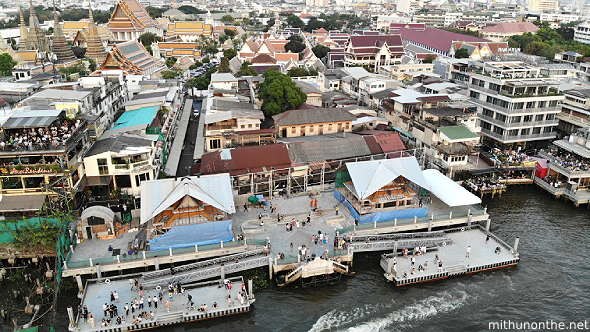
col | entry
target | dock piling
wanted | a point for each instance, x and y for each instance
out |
(415, 219)
(429, 226)
(488, 222)
(98, 274)
(222, 272)
(143, 253)
(395, 222)
(170, 250)
(79, 282)
(156, 263)
(118, 259)
(250, 294)
(395, 246)
(516, 243)
(270, 268)
(71, 316)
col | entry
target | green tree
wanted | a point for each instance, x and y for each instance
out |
(429, 58)
(79, 52)
(148, 38)
(171, 61)
(211, 49)
(462, 53)
(295, 44)
(227, 18)
(279, 93)
(201, 83)
(320, 51)
(6, 64)
(246, 70)
(230, 53)
(294, 21)
(153, 11)
(191, 10)
(297, 72)
(92, 65)
(224, 66)
(206, 60)
(171, 74)
(230, 33)
(536, 48)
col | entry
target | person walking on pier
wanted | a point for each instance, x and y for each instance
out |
(468, 251)
(141, 290)
(487, 238)
(413, 260)
(149, 301)
(105, 308)
(189, 297)
(112, 297)
(91, 321)
(116, 296)
(337, 208)
(309, 218)
(155, 300)
(127, 309)
(440, 263)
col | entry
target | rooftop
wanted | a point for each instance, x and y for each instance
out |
(317, 115)
(142, 116)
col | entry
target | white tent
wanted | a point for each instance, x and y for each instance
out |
(448, 190)
(370, 176)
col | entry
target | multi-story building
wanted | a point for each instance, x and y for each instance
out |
(437, 19)
(575, 111)
(373, 51)
(130, 19)
(584, 71)
(40, 150)
(517, 106)
(310, 122)
(582, 33)
(543, 5)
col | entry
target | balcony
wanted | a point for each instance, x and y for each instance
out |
(131, 167)
(30, 169)
(511, 139)
(45, 147)
(503, 124)
(516, 111)
(554, 165)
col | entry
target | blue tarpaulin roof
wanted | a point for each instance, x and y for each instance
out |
(142, 116)
(189, 235)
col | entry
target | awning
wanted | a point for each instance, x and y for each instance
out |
(403, 132)
(477, 171)
(93, 181)
(447, 190)
(574, 148)
(28, 122)
(21, 203)
(98, 211)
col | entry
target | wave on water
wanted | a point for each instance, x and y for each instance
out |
(407, 315)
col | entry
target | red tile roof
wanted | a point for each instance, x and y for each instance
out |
(263, 58)
(390, 142)
(372, 44)
(512, 27)
(437, 39)
(252, 158)
(373, 145)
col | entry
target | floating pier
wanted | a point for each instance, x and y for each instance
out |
(453, 254)
(97, 293)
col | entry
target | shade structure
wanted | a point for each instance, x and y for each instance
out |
(447, 190)
(189, 235)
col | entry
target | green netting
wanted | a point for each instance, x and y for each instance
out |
(257, 242)
(6, 225)
(342, 178)
(164, 154)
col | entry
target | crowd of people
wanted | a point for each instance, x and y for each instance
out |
(41, 138)
(570, 162)
(484, 183)
(510, 156)
(135, 308)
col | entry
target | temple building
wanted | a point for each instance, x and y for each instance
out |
(35, 37)
(94, 49)
(175, 49)
(61, 49)
(189, 31)
(81, 37)
(130, 19)
(132, 58)
(22, 44)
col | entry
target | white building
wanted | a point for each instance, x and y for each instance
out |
(582, 33)
(517, 106)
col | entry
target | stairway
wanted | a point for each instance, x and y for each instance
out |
(169, 317)
(456, 270)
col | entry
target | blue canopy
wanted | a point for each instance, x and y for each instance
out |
(189, 235)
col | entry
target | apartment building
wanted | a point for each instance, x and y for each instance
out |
(575, 111)
(543, 5)
(582, 33)
(517, 106)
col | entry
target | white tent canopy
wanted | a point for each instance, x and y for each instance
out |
(158, 195)
(370, 176)
(447, 190)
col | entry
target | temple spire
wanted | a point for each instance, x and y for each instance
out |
(61, 49)
(23, 29)
(94, 49)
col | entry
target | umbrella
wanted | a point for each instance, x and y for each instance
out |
(253, 200)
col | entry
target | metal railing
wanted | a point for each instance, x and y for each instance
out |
(515, 111)
(505, 137)
(46, 146)
(487, 118)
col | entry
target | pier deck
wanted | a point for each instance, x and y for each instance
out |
(97, 293)
(453, 256)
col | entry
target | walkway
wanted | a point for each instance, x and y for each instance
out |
(186, 159)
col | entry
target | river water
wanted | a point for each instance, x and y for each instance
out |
(551, 282)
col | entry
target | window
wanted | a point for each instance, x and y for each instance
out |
(553, 103)
(347, 125)
(550, 117)
(542, 104)
(215, 143)
(243, 126)
(139, 178)
(486, 125)
(547, 130)
(103, 166)
(526, 131)
(302, 130)
(501, 117)
(249, 125)
(513, 132)
(527, 118)
(474, 94)
(311, 129)
(330, 127)
(457, 158)
(530, 104)
(515, 119)
(539, 117)
(488, 112)
(536, 130)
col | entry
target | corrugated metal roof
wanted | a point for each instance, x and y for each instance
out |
(458, 133)
(318, 115)
(373, 145)
(30, 121)
(390, 142)
(328, 150)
